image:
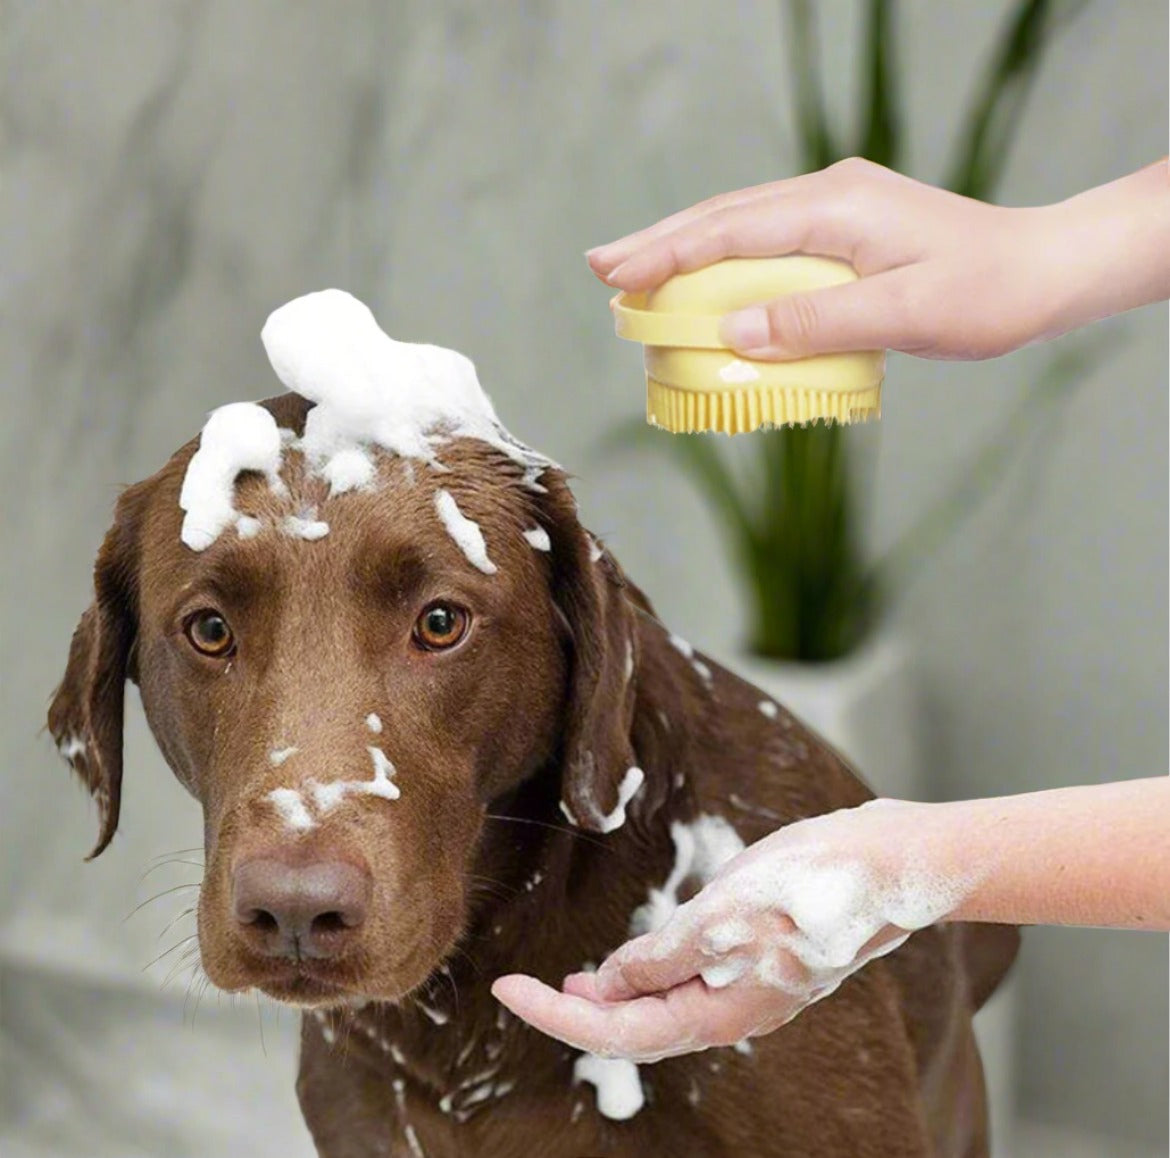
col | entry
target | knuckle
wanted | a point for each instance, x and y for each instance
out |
(794, 322)
(706, 243)
(853, 169)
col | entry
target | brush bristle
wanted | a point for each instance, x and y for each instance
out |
(745, 409)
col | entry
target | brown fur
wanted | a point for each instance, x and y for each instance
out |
(476, 873)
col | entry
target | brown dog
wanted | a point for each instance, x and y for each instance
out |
(382, 736)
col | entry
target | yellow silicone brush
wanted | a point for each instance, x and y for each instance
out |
(694, 382)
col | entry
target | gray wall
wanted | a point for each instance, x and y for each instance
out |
(173, 171)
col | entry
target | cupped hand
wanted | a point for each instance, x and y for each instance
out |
(941, 276)
(778, 928)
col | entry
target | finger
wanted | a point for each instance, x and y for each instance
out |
(604, 258)
(581, 985)
(874, 313)
(645, 1028)
(648, 1028)
(754, 229)
(651, 964)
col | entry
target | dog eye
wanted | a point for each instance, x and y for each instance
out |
(440, 626)
(209, 633)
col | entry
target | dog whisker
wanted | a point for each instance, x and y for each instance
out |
(175, 920)
(169, 861)
(158, 896)
(176, 852)
(260, 1022)
(185, 961)
(168, 952)
(564, 828)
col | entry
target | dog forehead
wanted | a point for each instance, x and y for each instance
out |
(472, 513)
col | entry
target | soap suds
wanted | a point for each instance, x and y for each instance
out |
(701, 848)
(305, 526)
(464, 531)
(349, 469)
(290, 803)
(327, 1030)
(435, 1016)
(374, 722)
(723, 972)
(754, 809)
(278, 756)
(538, 539)
(72, 747)
(371, 390)
(239, 437)
(738, 371)
(619, 1089)
(248, 527)
(292, 808)
(595, 551)
(724, 937)
(329, 795)
(412, 1141)
(680, 645)
(768, 708)
(842, 913)
(632, 781)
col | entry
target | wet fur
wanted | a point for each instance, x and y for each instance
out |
(477, 872)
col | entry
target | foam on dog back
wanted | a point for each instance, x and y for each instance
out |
(618, 1086)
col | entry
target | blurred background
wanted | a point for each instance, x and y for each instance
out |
(173, 171)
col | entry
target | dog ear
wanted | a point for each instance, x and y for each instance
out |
(599, 774)
(85, 717)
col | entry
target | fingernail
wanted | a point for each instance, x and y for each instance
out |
(595, 251)
(615, 273)
(745, 329)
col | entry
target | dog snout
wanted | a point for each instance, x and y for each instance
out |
(314, 910)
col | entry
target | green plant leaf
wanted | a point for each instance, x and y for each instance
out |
(794, 532)
(817, 146)
(881, 138)
(994, 115)
(1069, 368)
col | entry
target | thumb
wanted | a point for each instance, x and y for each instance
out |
(869, 314)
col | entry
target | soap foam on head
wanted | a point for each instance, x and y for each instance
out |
(371, 393)
(401, 396)
(238, 437)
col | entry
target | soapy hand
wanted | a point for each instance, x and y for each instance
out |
(942, 276)
(778, 928)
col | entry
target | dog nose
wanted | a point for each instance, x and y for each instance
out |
(313, 910)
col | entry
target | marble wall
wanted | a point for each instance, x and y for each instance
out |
(173, 170)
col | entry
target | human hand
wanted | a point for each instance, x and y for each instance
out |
(941, 276)
(778, 928)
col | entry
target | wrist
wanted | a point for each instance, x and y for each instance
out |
(1106, 251)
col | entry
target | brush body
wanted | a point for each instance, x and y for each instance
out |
(694, 382)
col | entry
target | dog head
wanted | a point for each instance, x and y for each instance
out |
(345, 682)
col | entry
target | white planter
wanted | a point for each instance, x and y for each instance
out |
(868, 707)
